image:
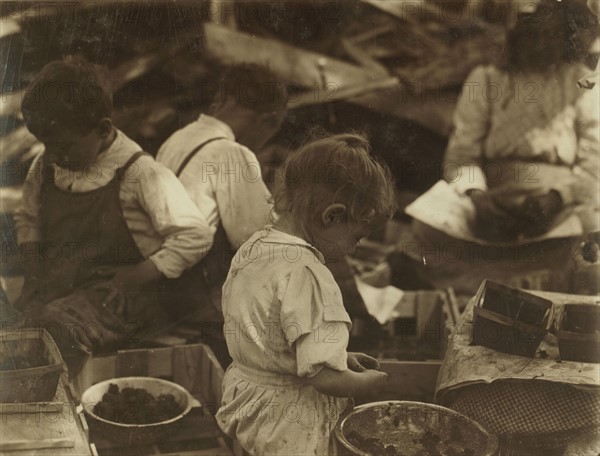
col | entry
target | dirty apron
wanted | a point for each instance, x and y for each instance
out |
(82, 232)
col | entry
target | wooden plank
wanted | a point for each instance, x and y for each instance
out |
(200, 367)
(61, 399)
(20, 445)
(167, 340)
(333, 93)
(205, 377)
(363, 58)
(83, 421)
(10, 102)
(9, 27)
(453, 305)
(292, 64)
(187, 359)
(160, 362)
(16, 142)
(429, 316)
(216, 378)
(132, 363)
(400, 9)
(301, 67)
(94, 370)
(373, 32)
(45, 427)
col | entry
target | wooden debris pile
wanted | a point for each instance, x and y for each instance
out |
(367, 65)
(162, 55)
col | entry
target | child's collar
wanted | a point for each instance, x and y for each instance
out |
(272, 235)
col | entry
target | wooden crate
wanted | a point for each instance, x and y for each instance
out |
(413, 376)
(194, 367)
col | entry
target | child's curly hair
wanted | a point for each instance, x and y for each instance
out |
(335, 169)
(71, 93)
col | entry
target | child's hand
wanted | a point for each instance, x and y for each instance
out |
(359, 362)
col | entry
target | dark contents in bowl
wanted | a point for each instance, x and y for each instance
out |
(136, 406)
(371, 445)
(389, 430)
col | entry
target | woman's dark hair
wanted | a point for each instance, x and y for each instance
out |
(557, 32)
(70, 93)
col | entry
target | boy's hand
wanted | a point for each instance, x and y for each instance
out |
(126, 280)
(359, 362)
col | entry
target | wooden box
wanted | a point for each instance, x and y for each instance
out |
(579, 333)
(194, 367)
(509, 320)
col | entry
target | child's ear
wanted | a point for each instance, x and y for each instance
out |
(334, 213)
(105, 127)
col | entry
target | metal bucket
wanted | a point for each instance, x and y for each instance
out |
(412, 429)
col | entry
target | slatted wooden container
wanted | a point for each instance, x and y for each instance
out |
(31, 366)
(194, 367)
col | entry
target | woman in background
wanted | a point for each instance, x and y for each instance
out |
(525, 144)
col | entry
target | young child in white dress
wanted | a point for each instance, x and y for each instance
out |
(285, 323)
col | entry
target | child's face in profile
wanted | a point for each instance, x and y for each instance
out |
(72, 150)
(338, 239)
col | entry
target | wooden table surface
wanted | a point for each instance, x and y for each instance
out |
(35, 426)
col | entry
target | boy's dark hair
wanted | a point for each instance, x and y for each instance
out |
(335, 169)
(253, 87)
(556, 33)
(70, 93)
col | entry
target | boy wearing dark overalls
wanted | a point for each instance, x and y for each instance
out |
(101, 223)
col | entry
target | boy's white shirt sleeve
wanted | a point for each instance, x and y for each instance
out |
(241, 194)
(175, 217)
(27, 215)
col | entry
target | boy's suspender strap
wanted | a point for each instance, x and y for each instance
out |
(191, 155)
(120, 173)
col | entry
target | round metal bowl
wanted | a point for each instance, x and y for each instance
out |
(134, 434)
(412, 429)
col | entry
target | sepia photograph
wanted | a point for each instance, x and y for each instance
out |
(300, 227)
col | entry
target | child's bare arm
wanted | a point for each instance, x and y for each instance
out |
(348, 383)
